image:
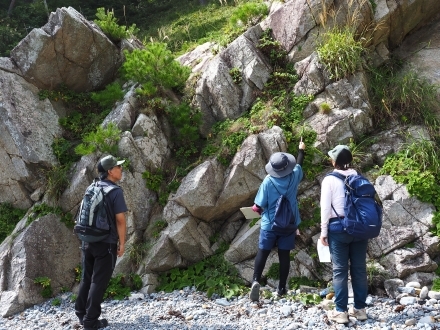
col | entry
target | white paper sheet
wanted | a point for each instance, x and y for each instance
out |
(249, 213)
(323, 252)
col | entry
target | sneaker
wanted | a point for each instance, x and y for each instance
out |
(338, 317)
(359, 314)
(255, 291)
(102, 323)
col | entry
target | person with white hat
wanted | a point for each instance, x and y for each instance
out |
(284, 175)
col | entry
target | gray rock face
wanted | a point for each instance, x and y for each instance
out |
(68, 50)
(217, 95)
(28, 127)
(44, 248)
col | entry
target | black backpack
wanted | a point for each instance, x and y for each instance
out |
(93, 223)
(284, 219)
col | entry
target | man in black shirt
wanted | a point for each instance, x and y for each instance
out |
(99, 258)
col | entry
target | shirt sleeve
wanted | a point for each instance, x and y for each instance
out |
(326, 208)
(119, 205)
(261, 197)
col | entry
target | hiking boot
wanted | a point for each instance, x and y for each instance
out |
(338, 317)
(102, 323)
(255, 291)
(281, 292)
(359, 314)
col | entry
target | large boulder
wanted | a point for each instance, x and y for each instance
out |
(44, 248)
(29, 126)
(67, 50)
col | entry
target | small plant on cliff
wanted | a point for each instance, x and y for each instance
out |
(158, 226)
(155, 69)
(40, 210)
(235, 75)
(44, 281)
(109, 95)
(108, 23)
(103, 139)
(9, 217)
(340, 52)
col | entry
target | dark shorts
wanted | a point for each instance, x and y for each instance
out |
(269, 240)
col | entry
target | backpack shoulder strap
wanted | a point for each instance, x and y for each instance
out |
(288, 186)
(106, 187)
(337, 175)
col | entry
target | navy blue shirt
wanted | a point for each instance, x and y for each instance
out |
(115, 205)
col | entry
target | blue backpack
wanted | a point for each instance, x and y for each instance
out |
(363, 214)
(284, 219)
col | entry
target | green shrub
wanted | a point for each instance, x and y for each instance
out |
(155, 69)
(108, 23)
(121, 286)
(212, 275)
(248, 13)
(104, 140)
(186, 122)
(153, 181)
(9, 217)
(44, 281)
(108, 97)
(340, 52)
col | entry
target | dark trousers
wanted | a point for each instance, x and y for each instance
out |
(98, 262)
(260, 262)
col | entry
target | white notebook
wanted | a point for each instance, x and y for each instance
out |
(249, 213)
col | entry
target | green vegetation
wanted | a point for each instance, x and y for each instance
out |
(78, 273)
(108, 23)
(325, 108)
(46, 291)
(235, 75)
(155, 69)
(436, 285)
(340, 52)
(212, 275)
(310, 212)
(396, 93)
(138, 251)
(40, 210)
(296, 282)
(274, 271)
(417, 166)
(158, 226)
(9, 217)
(248, 14)
(107, 98)
(121, 286)
(103, 139)
(56, 301)
(73, 297)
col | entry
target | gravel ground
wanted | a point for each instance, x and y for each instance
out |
(189, 309)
